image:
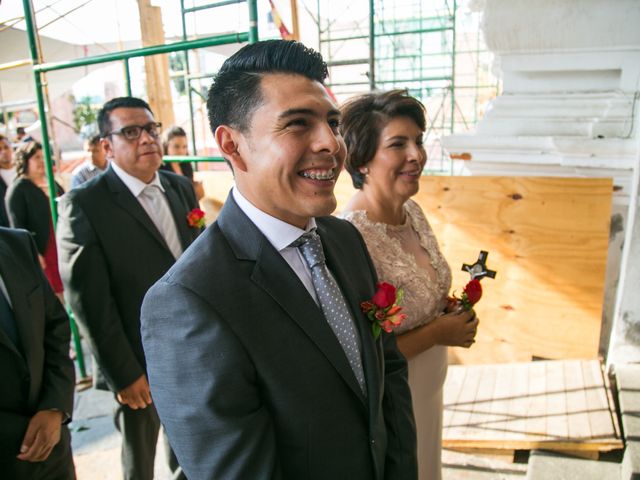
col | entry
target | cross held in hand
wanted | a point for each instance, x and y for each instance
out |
(479, 269)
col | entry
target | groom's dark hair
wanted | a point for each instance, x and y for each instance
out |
(235, 92)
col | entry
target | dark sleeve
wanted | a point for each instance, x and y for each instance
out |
(401, 461)
(58, 378)
(87, 284)
(224, 430)
(187, 170)
(20, 208)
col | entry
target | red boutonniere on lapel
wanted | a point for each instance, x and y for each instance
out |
(195, 218)
(383, 310)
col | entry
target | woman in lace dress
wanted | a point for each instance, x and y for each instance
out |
(383, 133)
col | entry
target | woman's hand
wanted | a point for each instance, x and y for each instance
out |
(456, 329)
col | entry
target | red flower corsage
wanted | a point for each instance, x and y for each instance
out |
(383, 310)
(196, 218)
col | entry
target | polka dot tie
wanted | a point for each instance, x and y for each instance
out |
(332, 302)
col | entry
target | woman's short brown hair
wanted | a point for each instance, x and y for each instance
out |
(363, 119)
(23, 155)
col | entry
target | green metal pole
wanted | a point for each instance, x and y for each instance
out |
(225, 39)
(75, 335)
(127, 76)
(187, 81)
(189, 159)
(372, 46)
(453, 67)
(33, 46)
(253, 20)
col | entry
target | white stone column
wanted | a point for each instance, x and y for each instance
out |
(569, 107)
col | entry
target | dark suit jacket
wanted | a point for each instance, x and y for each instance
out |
(28, 208)
(38, 375)
(248, 377)
(4, 218)
(110, 253)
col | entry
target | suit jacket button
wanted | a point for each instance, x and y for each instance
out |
(373, 442)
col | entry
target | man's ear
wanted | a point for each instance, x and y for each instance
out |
(107, 148)
(228, 140)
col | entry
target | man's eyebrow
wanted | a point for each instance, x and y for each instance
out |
(307, 111)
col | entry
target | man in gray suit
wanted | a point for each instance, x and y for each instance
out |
(260, 361)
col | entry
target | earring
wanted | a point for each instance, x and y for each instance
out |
(365, 171)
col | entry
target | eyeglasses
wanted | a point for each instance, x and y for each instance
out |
(133, 132)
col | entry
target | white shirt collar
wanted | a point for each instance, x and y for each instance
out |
(279, 233)
(135, 185)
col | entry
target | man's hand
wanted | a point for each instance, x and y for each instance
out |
(137, 395)
(43, 433)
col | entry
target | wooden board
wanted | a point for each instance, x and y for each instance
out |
(546, 237)
(555, 405)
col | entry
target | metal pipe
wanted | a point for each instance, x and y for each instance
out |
(15, 64)
(372, 40)
(127, 76)
(46, 150)
(47, 157)
(225, 39)
(253, 20)
(192, 123)
(187, 159)
(211, 5)
(453, 67)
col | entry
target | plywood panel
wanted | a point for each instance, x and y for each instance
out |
(549, 404)
(547, 238)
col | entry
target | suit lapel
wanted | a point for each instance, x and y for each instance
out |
(338, 264)
(13, 274)
(272, 274)
(179, 213)
(125, 199)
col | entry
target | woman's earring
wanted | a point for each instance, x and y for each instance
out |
(365, 171)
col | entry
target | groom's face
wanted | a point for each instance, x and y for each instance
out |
(293, 151)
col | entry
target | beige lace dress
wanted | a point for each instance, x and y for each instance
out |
(408, 257)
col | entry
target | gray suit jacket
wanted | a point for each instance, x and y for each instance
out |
(247, 376)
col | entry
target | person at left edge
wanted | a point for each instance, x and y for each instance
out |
(38, 380)
(117, 235)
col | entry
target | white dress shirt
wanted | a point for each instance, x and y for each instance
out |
(137, 186)
(280, 234)
(8, 175)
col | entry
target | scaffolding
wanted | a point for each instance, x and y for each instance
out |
(432, 49)
(40, 69)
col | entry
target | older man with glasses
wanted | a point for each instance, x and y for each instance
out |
(116, 236)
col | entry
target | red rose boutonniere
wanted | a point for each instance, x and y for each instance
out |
(196, 218)
(383, 310)
(470, 296)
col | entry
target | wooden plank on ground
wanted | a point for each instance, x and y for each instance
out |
(557, 405)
